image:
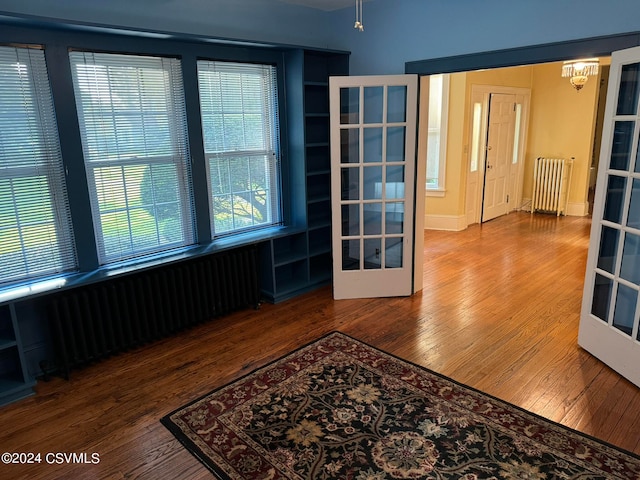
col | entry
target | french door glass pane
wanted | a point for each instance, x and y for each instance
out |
(350, 183)
(350, 105)
(373, 145)
(394, 218)
(614, 203)
(608, 248)
(395, 144)
(373, 104)
(601, 296)
(628, 95)
(349, 145)
(395, 182)
(351, 255)
(397, 104)
(393, 253)
(633, 218)
(372, 183)
(372, 221)
(350, 220)
(631, 258)
(624, 313)
(622, 144)
(372, 253)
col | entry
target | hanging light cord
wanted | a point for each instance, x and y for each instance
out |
(359, 25)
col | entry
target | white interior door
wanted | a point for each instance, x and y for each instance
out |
(611, 305)
(499, 154)
(373, 141)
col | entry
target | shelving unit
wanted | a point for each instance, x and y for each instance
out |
(15, 382)
(307, 262)
(292, 248)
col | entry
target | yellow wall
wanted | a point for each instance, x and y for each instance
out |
(503, 77)
(455, 175)
(561, 124)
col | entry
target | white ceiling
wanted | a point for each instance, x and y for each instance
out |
(326, 5)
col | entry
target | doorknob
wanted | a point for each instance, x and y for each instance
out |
(488, 147)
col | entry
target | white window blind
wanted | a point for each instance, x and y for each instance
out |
(133, 126)
(240, 127)
(35, 223)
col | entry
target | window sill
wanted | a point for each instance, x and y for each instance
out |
(435, 192)
(62, 282)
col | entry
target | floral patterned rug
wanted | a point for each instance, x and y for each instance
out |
(339, 408)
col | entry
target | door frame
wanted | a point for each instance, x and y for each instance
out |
(476, 179)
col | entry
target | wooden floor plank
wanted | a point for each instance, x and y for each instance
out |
(499, 312)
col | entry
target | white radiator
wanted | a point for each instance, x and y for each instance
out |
(551, 180)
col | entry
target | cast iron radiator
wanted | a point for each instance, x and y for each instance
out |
(551, 181)
(93, 322)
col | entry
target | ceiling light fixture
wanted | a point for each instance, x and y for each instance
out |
(359, 25)
(579, 71)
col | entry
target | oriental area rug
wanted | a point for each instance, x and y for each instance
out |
(338, 408)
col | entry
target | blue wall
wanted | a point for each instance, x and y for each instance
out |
(396, 31)
(269, 21)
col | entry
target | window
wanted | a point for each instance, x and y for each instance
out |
(476, 140)
(516, 135)
(238, 105)
(437, 142)
(35, 223)
(133, 126)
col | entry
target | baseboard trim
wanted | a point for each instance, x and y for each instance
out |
(574, 209)
(457, 223)
(579, 209)
(453, 223)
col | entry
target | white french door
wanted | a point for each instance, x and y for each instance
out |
(609, 324)
(373, 141)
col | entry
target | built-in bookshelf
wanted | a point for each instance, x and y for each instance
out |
(15, 382)
(301, 260)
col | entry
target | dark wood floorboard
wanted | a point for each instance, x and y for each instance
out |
(500, 312)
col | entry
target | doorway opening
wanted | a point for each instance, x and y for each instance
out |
(498, 123)
(509, 117)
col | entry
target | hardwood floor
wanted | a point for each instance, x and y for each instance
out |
(499, 312)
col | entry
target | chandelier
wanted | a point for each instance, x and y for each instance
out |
(359, 25)
(579, 71)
